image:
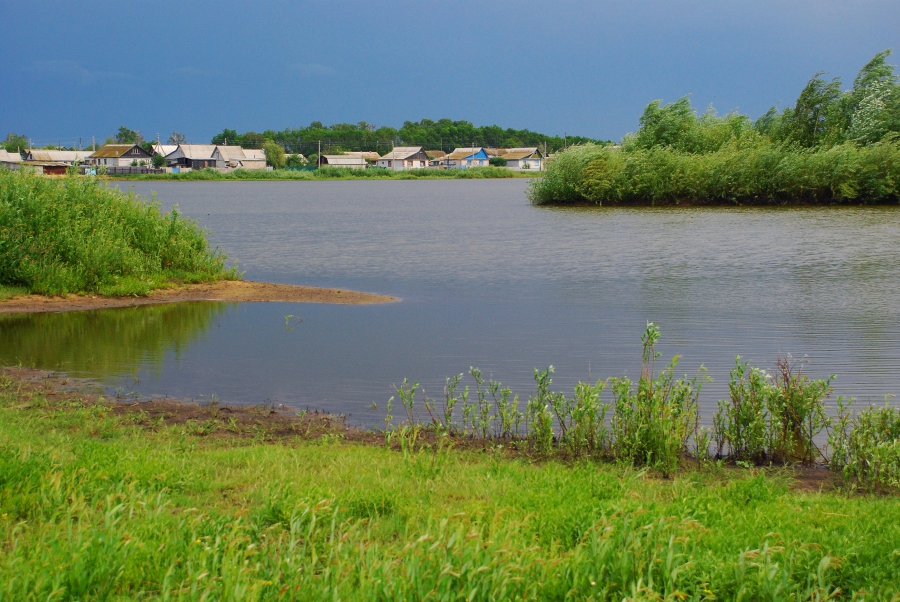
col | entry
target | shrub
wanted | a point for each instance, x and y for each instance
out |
(77, 235)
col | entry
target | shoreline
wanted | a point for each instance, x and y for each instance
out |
(243, 291)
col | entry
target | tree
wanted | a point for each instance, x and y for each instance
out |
(252, 140)
(158, 161)
(497, 161)
(295, 161)
(15, 142)
(126, 136)
(176, 138)
(274, 154)
(812, 120)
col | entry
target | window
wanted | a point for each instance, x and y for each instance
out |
(389, 163)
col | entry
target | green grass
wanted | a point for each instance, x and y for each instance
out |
(100, 506)
(76, 235)
(334, 173)
(8, 292)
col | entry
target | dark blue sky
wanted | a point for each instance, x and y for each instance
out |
(72, 69)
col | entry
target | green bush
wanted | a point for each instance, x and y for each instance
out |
(866, 451)
(74, 235)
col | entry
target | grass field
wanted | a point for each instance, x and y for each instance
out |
(102, 502)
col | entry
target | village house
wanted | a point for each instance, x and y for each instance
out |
(519, 159)
(194, 156)
(120, 155)
(10, 160)
(371, 157)
(405, 157)
(348, 161)
(463, 158)
(236, 157)
(68, 157)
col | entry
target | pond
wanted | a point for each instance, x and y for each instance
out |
(488, 280)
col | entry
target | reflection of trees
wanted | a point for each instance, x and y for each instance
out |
(103, 342)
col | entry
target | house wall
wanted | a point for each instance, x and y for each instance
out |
(524, 164)
(417, 161)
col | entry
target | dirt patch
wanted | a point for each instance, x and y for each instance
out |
(232, 290)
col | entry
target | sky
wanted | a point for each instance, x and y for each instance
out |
(72, 71)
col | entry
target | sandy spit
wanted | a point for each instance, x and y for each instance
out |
(235, 290)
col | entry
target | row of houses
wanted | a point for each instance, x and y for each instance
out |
(189, 156)
(416, 157)
(201, 156)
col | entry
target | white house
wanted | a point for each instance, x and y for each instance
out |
(10, 160)
(462, 158)
(120, 155)
(520, 159)
(236, 157)
(348, 161)
(57, 156)
(195, 156)
(405, 157)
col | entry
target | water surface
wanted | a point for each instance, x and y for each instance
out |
(491, 281)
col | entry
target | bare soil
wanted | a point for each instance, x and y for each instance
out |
(226, 290)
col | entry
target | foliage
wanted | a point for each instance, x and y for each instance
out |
(76, 235)
(126, 136)
(295, 161)
(497, 161)
(772, 418)
(830, 146)
(443, 134)
(866, 451)
(98, 502)
(15, 143)
(177, 138)
(158, 161)
(274, 154)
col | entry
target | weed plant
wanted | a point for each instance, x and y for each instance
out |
(75, 235)
(769, 419)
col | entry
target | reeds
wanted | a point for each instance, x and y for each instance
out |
(750, 169)
(75, 235)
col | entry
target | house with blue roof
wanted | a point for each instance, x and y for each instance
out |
(462, 158)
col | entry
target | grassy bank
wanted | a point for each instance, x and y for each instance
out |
(75, 235)
(332, 173)
(101, 503)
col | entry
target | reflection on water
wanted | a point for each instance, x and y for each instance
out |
(104, 343)
(488, 280)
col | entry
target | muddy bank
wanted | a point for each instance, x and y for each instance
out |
(234, 290)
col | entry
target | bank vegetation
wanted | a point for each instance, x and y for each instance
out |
(831, 146)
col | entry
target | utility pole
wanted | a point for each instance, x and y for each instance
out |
(93, 145)
(79, 143)
(319, 156)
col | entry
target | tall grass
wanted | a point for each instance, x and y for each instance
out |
(75, 235)
(750, 169)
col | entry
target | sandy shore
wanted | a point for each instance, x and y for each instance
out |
(236, 290)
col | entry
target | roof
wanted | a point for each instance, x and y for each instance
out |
(113, 150)
(464, 153)
(46, 163)
(402, 152)
(521, 153)
(343, 160)
(367, 155)
(255, 153)
(164, 149)
(231, 152)
(7, 157)
(436, 154)
(56, 155)
(197, 151)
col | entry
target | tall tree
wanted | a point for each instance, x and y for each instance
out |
(176, 138)
(126, 136)
(15, 142)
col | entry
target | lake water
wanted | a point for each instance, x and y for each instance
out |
(488, 280)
